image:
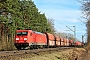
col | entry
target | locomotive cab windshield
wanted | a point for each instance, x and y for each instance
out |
(22, 33)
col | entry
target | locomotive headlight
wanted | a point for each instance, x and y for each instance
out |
(17, 38)
(25, 38)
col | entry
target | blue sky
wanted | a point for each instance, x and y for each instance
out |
(65, 13)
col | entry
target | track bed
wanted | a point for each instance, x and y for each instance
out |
(17, 55)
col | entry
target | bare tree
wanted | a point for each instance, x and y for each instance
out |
(51, 25)
(86, 13)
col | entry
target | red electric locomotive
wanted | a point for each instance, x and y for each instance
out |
(25, 38)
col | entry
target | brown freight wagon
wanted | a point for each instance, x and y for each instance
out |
(50, 40)
(65, 41)
(71, 43)
(57, 40)
(62, 42)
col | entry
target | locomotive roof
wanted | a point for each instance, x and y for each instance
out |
(37, 32)
(32, 31)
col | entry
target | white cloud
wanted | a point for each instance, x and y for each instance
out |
(62, 15)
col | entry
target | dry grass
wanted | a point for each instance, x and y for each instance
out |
(56, 55)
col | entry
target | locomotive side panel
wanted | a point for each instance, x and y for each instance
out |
(41, 39)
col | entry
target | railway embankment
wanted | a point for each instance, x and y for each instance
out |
(62, 54)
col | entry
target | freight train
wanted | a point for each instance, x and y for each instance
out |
(32, 39)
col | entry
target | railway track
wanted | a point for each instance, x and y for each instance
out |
(9, 55)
